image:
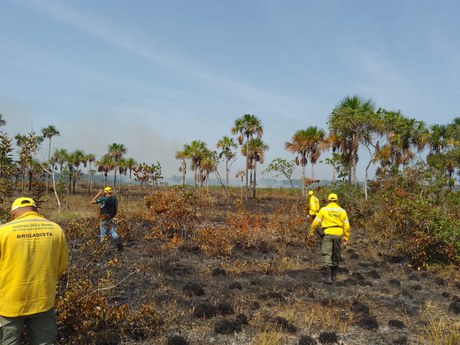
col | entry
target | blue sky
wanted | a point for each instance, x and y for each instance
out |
(156, 74)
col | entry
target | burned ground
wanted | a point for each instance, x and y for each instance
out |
(267, 293)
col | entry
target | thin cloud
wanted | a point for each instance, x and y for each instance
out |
(98, 27)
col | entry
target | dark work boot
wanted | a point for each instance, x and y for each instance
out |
(119, 244)
(327, 276)
(333, 272)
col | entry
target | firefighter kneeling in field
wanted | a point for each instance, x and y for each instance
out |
(336, 227)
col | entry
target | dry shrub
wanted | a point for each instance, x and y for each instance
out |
(175, 211)
(87, 316)
(214, 241)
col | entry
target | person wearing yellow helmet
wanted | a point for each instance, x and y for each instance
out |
(33, 255)
(108, 211)
(314, 206)
(336, 227)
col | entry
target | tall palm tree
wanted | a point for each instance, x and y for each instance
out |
(226, 146)
(317, 146)
(116, 151)
(405, 137)
(74, 160)
(196, 151)
(48, 133)
(254, 149)
(90, 158)
(182, 156)
(208, 164)
(307, 144)
(60, 158)
(105, 164)
(248, 127)
(349, 120)
(130, 164)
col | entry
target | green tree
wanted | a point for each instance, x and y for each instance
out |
(405, 137)
(147, 175)
(29, 145)
(348, 121)
(282, 167)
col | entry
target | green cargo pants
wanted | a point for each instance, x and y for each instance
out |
(330, 250)
(41, 328)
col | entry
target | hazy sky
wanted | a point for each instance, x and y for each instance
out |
(156, 74)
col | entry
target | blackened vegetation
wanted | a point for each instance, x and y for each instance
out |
(174, 290)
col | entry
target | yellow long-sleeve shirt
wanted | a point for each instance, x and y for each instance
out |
(314, 205)
(33, 254)
(334, 221)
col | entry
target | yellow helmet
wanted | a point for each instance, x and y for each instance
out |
(22, 202)
(332, 197)
(108, 189)
(310, 192)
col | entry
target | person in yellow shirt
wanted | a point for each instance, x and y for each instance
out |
(336, 227)
(33, 254)
(314, 206)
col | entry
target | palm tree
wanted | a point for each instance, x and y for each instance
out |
(60, 157)
(226, 145)
(48, 133)
(207, 165)
(116, 151)
(182, 156)
(90, 159)
(307, 143)
(348, 121)
(130, 164)
(248, 126)
(74, 160)
(403, 136)
(105, 164)
(196, 151)
(254, 149)
(2, 121)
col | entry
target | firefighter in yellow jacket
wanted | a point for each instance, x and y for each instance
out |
(336, 228)
(314, 206)
(33, 254)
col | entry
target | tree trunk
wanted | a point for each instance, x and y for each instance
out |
(254, 181)
(303, 180)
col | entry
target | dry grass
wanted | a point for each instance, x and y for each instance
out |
(259, 244)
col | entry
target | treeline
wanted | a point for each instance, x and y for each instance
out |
(392, 140)
(21, 171)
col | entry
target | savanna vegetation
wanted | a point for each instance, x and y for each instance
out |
(226, 265)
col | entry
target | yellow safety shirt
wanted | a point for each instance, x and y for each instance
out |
(333, 220)
(33, 254)
(314, 206)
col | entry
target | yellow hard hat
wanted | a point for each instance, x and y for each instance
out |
(22, 202)
(107, 189)
(310, 192)
(332, 197)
